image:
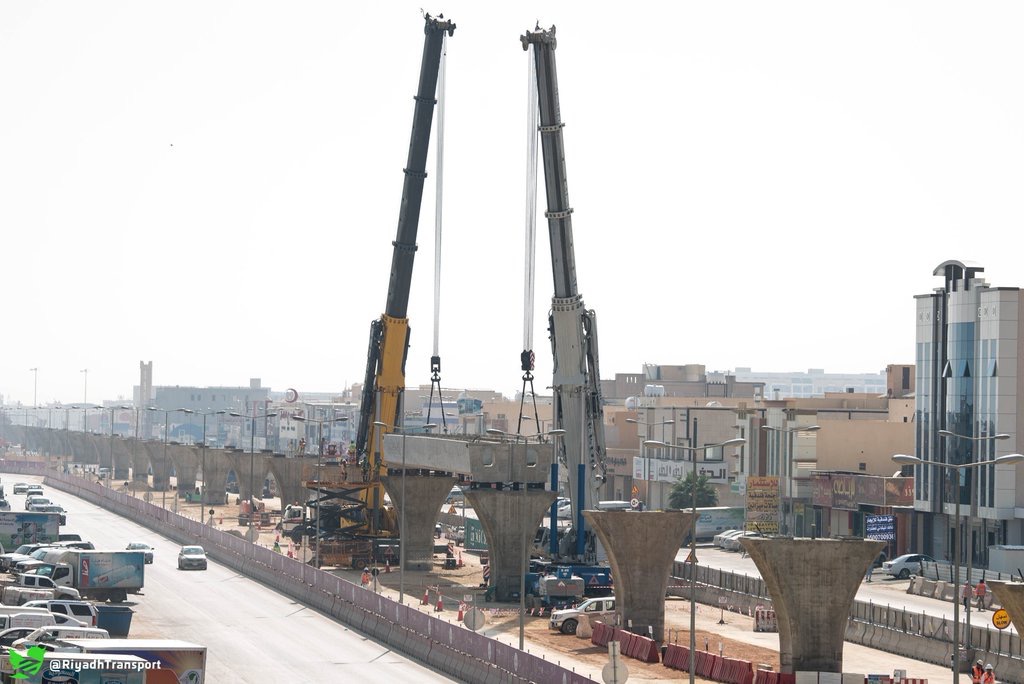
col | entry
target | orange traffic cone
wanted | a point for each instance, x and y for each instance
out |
(460, 559)
(426, 597)
(462, 609)
(387, 566)
(440, 603)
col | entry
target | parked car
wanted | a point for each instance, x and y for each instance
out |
(733, 542)
(83, 611)
(720, 538)
(20, 487)
(142, 546)
(906, 565)
(567, 619)
(54, 632)
(192, 557)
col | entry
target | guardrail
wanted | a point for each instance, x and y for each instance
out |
(450, 648)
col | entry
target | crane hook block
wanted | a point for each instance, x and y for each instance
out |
(526, 359)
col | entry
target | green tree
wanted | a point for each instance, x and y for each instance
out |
(682, 492)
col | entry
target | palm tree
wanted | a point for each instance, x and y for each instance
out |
(682, 492)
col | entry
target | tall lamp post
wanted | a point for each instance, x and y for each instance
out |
(319, 457)
(906, 459)
(252, 465)
(204, 414)
(401, 512)
(692, 450)
(970, 513)
(35, 386)
(788, 471)
(164, 485)
(647, 436)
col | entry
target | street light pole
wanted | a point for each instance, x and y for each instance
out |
(401, 511)
(970, 527)
(790, 434)
(647, 435)
(85, 389)
(692, 559)
(35, 386)
(906, 459)
(319, 457)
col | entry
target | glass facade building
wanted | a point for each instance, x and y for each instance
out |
(968, 382)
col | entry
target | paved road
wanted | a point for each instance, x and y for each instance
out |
(252, 633)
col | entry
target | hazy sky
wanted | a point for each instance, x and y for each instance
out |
(214, 186)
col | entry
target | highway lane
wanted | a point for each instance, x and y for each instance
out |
(252, 633)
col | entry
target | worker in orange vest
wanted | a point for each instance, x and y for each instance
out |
(979, 593)
(977, 670)
(989, 677)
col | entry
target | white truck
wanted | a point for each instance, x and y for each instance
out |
(31, 587)
(97, 575)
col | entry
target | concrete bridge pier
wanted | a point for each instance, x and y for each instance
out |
(509, 498)
(507, 516)
(425, 493)
(641, 547)
(812, 583)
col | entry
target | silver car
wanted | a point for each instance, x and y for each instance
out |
(192, 558)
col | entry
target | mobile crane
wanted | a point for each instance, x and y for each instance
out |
(572, 328)
(362, 503)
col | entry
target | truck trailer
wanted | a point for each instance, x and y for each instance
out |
(98, 575)
(28, 527)
(170, 660)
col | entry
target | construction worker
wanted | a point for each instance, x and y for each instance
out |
(989, 677)
(966, 595)
(365, 579)
(979, 593)
(977, 670)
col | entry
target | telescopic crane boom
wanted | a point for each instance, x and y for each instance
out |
(572, 328)
(389, 335)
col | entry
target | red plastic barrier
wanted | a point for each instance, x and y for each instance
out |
(647, 650)
(787, 678)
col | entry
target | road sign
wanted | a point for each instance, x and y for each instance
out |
(635, 491)
(692, 558)
(474, 618)
(1001, 619)
(634, 502)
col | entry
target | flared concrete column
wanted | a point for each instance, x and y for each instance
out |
(812, 583)
(506, 515)
(641, 547)
(425, 493)
(1011, 597)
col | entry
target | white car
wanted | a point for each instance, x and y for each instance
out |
(906, 565)
(733, 542)
(192, 558)
(720, 538)
(567, 619)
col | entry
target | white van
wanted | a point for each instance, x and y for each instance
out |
(33, 620)
(55, 632)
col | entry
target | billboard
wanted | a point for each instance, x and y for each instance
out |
(763, 508)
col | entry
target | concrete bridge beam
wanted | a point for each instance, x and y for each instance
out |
(812, 583)
(641, 547)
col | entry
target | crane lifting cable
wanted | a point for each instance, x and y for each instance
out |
(526, 357)
(435, 358)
